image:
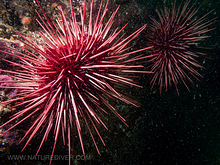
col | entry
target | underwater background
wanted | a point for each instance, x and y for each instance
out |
(166, 129)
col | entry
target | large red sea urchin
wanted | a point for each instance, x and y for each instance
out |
(172, 37)
(72, 75)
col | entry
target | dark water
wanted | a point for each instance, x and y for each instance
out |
(167, 128)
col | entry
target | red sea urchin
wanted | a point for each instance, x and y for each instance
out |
(172, 38)
(72, 75)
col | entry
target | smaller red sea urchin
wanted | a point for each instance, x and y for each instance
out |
(72, 75)
(172, 38)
